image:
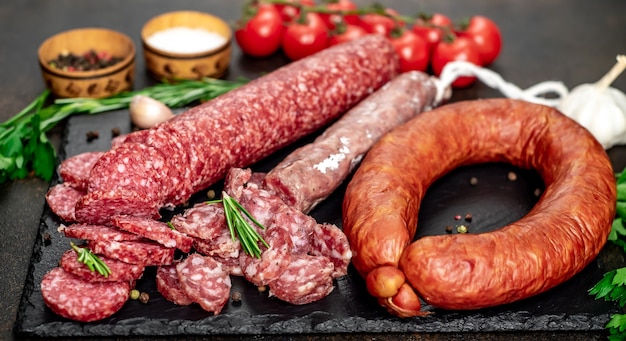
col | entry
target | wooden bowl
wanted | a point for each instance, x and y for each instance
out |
(99, 83)
(170, 63)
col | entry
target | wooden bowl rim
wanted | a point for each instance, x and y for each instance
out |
(128, 59)
(178, 55)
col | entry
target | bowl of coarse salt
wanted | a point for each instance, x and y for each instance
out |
(186, 45)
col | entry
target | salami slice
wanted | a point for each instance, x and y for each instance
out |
(299, 226)
(99, 207)
(203, 221)
(134, 252)
(307, 279)
(330, 241)
(168, 285)
(154, 230)
(223, 246)
(75, 170)
(274, 260)
(205, 281)
(120, 271)
(62, 199)
(80, 300)
(96, 232)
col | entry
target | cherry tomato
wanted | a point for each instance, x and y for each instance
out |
(378, 23)
(487, 37)
(427, 28)
(412, 50)
(346, 32)
(289, 13)
(331, 20)
(302, 39)
(261, 35)
(461, 48)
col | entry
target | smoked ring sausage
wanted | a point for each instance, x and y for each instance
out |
(561, 234)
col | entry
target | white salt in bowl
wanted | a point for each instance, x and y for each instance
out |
(186, 45)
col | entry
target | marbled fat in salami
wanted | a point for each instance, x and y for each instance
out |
(154, 230)
(168, 285)
(203, 221)
(120, 271)
(96, 232)
(75, 170)
(80, 300)
(134, 252)
(244, 125)
(62, 199)
(307, 279)
(205, 281)
(311, 173)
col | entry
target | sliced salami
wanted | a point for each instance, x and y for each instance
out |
(330, 241)
(168, 285)
(307, 279)
(134, 252)
(75, 170)
(80, 300)
(99, 207)
(96, 232)
(205, 281)
(299, 226)
(62, 199)
(154, 230)
(223, 246)
(231, 265)
(120, 271)
(203, 221)
(273, 261)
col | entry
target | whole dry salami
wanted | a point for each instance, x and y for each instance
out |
(80, 300)
(205, 281)
(238, 128)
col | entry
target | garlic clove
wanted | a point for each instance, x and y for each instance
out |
(146, 112)
(600, 108)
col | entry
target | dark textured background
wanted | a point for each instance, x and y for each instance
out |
(572, 41)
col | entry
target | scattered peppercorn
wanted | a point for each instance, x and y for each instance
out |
(512, 176)
(115, 132)
(537, 192)
(92, 135)
(88, 61)
(473, 181)
(210, 194)
(457, 217)
(449, 229)
(134, 294)
(236, 297)
(468, 217)
(144, 297)
(262, 288)
(47, 239)
(461, 229)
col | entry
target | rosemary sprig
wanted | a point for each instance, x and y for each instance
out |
(24, 146)
(92, 261)
(239, 226)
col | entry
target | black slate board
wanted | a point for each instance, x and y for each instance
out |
(494, 201)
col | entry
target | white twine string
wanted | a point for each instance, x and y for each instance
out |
(456, 69)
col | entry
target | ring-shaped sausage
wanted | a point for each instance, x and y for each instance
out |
(561, 234)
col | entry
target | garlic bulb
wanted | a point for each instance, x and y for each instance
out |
(146, 112)
(600, 108)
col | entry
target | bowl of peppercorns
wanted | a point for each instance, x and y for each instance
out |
(88, 62)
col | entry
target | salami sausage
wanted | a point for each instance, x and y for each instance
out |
(80, 300)
(563, 232)
(154, 230)
(168, 285)
(239, 128)
(62, 199)
(75, 170)
(96, 232)
(307, 279)
(205, 281)
(311, 173)
(134, 252)
(120, 271)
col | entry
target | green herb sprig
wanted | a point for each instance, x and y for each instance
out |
(239, 226)
(612, 286)
(24, 146)
(92, 261)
